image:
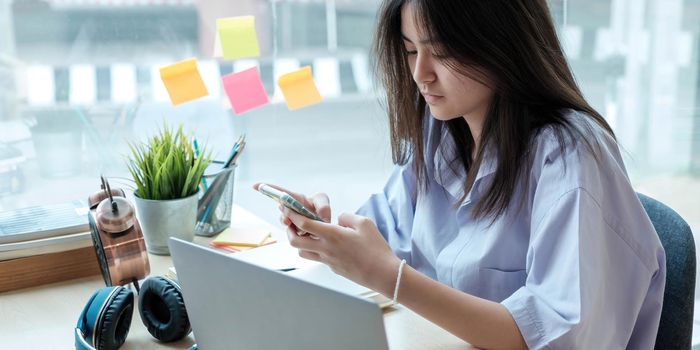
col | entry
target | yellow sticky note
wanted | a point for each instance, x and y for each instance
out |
(268, 240)
(183, 81)
(237, 36)
(242, 237)
(299, 88)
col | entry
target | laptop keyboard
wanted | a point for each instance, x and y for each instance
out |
(43, 221)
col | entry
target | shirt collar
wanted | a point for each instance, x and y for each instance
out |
(453, 179)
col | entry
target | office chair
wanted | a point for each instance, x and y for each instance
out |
(676, 326)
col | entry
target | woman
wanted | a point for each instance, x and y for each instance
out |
(510, 202)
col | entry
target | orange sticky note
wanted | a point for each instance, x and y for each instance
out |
(183, 81)
(245, 90)
(241, 237)
(299, 88)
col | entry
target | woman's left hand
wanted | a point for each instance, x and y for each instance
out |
(353, 248)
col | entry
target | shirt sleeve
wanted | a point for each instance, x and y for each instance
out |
(393, 209)
(587, 286)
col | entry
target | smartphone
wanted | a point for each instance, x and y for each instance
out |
(287, 200)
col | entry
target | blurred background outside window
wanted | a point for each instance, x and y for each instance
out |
(79, 79)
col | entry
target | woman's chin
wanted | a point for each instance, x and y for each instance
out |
(442, 114)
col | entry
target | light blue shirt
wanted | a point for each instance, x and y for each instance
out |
(580, 266)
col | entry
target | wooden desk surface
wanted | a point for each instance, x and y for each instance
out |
(44, 317)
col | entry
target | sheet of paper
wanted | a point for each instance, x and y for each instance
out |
(274, 256)
(299, 88)
(238, 37)
(183, 81)
(245, 90)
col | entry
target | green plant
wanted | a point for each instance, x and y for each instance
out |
(166, 166)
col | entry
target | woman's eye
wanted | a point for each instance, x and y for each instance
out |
(411, 52)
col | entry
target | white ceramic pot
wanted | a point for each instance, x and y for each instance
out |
(162, 219)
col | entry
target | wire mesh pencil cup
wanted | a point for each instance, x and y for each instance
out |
(216, 203)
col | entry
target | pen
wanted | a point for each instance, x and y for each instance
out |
(196, 153)
(203, 226)
(238, 153)
(196, 148)
(211, 198)
(287, 269)
(234, 150)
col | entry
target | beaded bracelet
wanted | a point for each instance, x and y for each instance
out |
(398, 280)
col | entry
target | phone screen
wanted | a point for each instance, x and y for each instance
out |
(288, 201)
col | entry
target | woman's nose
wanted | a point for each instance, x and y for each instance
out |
(423, 71)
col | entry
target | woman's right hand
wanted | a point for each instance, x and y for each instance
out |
(317, 203)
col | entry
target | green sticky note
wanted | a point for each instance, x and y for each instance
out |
(238, 37)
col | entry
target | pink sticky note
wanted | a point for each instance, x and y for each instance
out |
(245, 90)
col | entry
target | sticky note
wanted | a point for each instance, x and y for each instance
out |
(239, 248)
(268, 240)
(237, 36)
(242, 237)
(183, 81)
(245, 90)
(299, 88)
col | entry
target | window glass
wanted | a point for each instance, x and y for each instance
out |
(637, 64)
(80, 81)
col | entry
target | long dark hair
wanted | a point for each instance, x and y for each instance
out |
(515, 43)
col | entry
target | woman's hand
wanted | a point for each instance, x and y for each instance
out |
(354, 248)
(318, 203)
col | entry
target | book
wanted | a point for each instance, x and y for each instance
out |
(49, 245)
(51, 220)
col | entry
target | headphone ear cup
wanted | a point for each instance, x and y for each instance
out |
(162, 309)
(116, 320)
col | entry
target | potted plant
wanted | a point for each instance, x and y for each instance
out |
(167, 173)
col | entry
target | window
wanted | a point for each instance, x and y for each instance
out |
(82, 80)
(637, 64)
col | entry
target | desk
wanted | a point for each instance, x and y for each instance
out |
(44, 317)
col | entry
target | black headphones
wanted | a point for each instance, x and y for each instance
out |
(105, 320)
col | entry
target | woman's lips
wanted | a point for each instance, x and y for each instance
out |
(432, 99)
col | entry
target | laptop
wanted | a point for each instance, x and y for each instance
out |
(236, 304)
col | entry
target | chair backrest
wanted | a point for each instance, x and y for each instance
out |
(676, 327)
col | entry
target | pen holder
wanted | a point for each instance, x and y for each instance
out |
(215, 206)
